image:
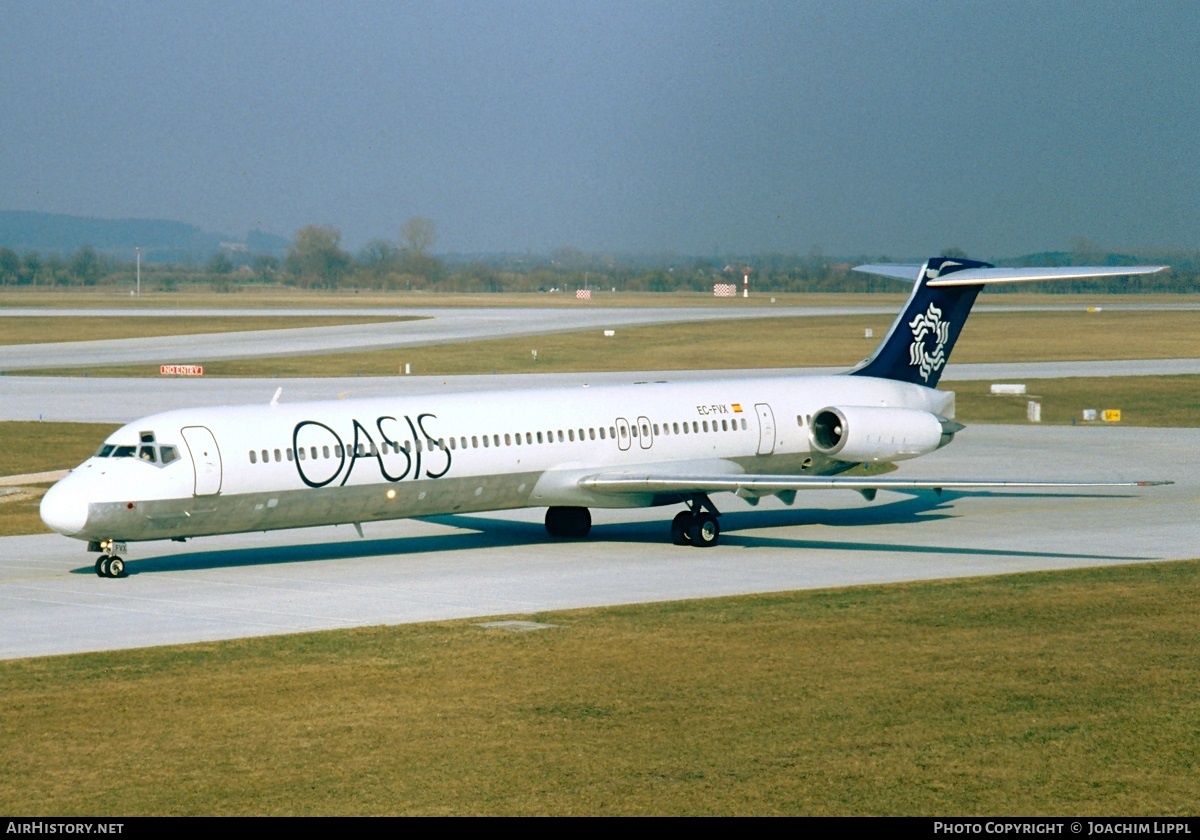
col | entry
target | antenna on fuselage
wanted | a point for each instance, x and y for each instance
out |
(275, 399)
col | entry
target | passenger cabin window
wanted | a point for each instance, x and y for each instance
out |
(253, 457)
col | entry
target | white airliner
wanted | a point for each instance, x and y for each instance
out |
(232, 469)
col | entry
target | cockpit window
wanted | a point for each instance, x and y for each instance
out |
(147, 452)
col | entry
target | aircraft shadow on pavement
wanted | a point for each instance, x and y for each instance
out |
(484, 532)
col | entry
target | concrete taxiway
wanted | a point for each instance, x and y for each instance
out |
(448, 567)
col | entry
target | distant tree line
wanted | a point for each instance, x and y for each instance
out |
(316, 260)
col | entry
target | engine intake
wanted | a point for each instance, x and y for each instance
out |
(872, 433)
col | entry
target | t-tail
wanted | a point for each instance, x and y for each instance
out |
(918, 345)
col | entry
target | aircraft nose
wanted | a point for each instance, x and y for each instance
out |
(65, 508)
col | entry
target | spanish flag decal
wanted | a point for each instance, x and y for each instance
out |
(737, 408)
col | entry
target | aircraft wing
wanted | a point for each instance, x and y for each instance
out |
(767, 485)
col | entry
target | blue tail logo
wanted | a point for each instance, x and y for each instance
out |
(919, 343)
(928, 350)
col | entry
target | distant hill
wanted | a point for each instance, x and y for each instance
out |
(161, 240)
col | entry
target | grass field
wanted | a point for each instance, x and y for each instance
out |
(1171, 401)
(40, 447)
(1051, 693)
(750, 343)
(250, 297)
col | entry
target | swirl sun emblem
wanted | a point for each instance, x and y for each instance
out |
(928, 328)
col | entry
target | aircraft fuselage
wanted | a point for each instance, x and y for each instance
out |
(252, 468)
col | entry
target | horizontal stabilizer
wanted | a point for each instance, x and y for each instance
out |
(901, 271)
(766, 485)
(972, 276)
(983, 276)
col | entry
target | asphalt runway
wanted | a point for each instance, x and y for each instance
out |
(451, 567)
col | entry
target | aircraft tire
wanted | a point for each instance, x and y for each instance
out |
(679, 528)
(101, 566)
(703, 532)
(116, 567)
(568, 522)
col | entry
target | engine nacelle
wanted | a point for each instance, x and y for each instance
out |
(872, 433)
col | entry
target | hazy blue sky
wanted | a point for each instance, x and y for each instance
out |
(867, 127)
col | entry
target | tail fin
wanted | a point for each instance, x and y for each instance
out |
(918, 345)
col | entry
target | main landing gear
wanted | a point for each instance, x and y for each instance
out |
(570, 522)
(696, 526)
(109, 565)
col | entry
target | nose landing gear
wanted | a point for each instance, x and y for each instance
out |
(109, 564)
